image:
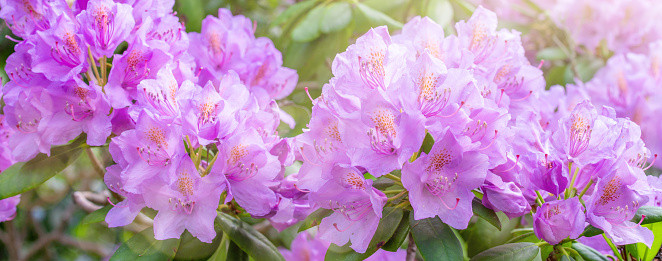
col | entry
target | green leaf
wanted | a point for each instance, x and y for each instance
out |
(485, 213)
(248, 239)
(521, 237)
(428, 142)
(293, 11)
(376, 18)
(633, 251)
(191, 248)
(591, 231)
(588, 253)
(235, 253)
(22, 177)
(336, 16)
(308, 29)
(435, 240)
(400, 234)
(551, 54)
(97, 216)
(193, 12)
(383, 183)
(587, 67)
(391, 217)
(567, 258)
(653, 215)
(646, 253)
(315, 218)
(143, 246)
(441, 11)
(222, 250)
(524, 251)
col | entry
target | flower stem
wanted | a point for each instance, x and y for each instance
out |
(93, 65)
(613, 247)
(393, 177)
(102, 63)
(397, 196)
(95, 162)
(590, 182)
(573, 174)
(542, 201)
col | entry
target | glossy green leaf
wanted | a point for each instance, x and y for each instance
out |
(633, 251)
(647, 254)
(590, 231)
(567, 258)
(400, 234)
(428, 142)
(293, 12)
(481, 235)
(192, 12)
(383, 183)
(521, 237)
(524, 251)
(551, 54)
(588, 253)
(191, 247)
(256, 245)
(391, 217)
(22, 177)
(315, 218)
(376, 18)
(653, 215)
(143, 246)
(235, 253)
(485, 213)
(308, 29)
(441, 11)
(435, 240)
(97, 216)
(222, 250)
(336, 16)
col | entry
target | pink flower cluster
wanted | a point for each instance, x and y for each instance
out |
(187, 116)
(496, 132)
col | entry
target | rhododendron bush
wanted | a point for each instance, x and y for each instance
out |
(416, 130)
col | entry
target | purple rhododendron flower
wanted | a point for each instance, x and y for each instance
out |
(187, 202)
(24, 110)
(305, 247)
(105, 24)
(8, 208)
(357, 208)
(124, 212)
(137, 63)
(505, 196)
(151, 148)
(557, 220)
(85, 109)
(614, 202)
(440, 183)
(249, 170)
(26, 17)
(59, 52)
